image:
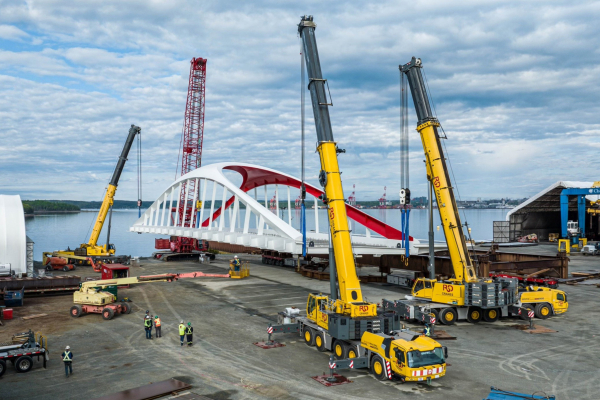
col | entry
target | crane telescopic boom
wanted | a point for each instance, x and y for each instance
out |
(437, 174)
(329, 177)
(112, 188)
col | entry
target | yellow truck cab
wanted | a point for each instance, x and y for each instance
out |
(404, 354)
(544, 301)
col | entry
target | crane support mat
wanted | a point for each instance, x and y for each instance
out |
(269, 345)
(442, 335)
(151, 391)
(339, 379)
(536, 329)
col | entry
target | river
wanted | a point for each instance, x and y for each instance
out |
(57, 231)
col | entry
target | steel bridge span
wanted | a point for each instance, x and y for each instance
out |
(243, 219)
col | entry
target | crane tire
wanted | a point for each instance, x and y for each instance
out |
(338, 349)
(491, 315)
(474, 314)
(309, 336)
(378, 368)
(108, 313)
(350, 351)
(320, 341)
(543, 311)
(24, 364)
(448, 316)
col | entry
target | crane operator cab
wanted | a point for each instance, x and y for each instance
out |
(447, 292)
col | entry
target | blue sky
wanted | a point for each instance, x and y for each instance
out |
(515, 85)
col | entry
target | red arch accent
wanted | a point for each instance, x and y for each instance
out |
(256, 177)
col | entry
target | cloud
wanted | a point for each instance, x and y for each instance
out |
(514, 85)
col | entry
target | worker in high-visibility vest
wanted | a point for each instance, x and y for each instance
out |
(157, 326)
(189, 331)
(236, 264)
(67, 356)
(148, 326)
(426, 330)
(181, 332)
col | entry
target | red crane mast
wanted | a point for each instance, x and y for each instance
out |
(192, 136)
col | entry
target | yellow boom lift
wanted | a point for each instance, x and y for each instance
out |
(464, 295)
(349, 325)
(92, 248)
(99, 297)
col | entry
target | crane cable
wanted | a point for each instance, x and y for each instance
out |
(139, 173)
(302, 118)
(404, 164)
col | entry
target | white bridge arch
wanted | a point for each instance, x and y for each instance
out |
(241, 219)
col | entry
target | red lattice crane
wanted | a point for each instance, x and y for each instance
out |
(191, 158)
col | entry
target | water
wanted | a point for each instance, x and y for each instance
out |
(57, 231)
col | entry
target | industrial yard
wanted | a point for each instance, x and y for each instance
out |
(229, 316)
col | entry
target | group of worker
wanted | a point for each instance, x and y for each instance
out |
(184, 331)
(148, 325)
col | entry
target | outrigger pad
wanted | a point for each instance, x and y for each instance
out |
(339, 379)
(269, 345)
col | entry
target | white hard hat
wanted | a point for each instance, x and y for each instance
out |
(234, 256)
(68, 348)
(181, 322)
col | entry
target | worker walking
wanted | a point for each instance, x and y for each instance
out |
(189, 331)
(181, 332)
(67, 356)
(148, 326)
(236, 264)
(157, 326)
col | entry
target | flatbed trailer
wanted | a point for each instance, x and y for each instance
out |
(21, 355)
(276, 258)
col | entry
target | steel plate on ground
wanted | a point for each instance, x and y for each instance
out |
(151, 391)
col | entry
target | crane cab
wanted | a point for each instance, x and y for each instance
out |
(446, 292)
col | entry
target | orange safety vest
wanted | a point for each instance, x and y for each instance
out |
(157, 322)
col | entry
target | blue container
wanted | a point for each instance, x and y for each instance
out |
(14, 298)
(497, 394)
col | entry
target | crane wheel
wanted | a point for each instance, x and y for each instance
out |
(309, 336)
(474, 314)
(48, 267)
(338, 349)
(350, 351)
(378, 368)
(108, 313)
(524, 314)
(24, 364)
(320, 341)
(491, 315)
(76, 311)
(125, 308)
(448, 316)
(543, 311)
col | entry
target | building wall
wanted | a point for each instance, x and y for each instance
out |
(13, 240)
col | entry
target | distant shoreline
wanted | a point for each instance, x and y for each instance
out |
(42, 212)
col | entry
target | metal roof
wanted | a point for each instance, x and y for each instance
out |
(548, 200)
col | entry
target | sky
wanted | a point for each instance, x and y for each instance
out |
(515, 86)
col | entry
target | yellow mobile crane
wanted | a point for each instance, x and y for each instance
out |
(348, 325)
(92, 248)
(465, 295)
